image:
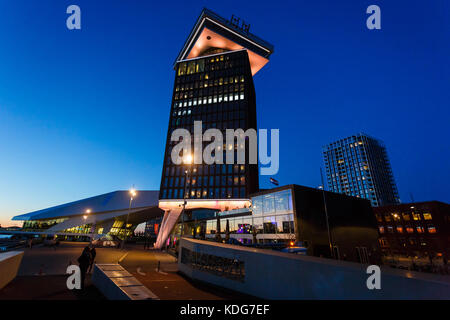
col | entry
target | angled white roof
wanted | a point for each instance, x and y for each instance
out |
(113, 201)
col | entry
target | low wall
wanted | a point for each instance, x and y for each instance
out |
(9, 265)
(270, 274)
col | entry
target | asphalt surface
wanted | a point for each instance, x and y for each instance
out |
(42, 275)
(42, 260)
(167, 283)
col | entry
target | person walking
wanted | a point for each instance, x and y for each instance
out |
(84, 261)
(93, 254)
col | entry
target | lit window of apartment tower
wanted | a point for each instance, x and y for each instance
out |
(359, 166)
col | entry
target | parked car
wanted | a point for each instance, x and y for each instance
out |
(295, 249)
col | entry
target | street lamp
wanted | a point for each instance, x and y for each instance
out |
(87, 212)
(187, 172)
(133, 194)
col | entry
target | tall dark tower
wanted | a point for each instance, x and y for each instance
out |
(214, 84)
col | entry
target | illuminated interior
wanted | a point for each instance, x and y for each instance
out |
(209, 39)
(222, 205)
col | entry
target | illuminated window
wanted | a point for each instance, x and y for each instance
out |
(409, 229)
(427, 216)
(416, 216)
(191, 67)
(117, 224)
(390, 229)
(381, 229)
(396, 216)
(399, 229)
(431, 229)
(200, 65)
(406, 217)
(419, 229)
(387, 217)
(182, 69)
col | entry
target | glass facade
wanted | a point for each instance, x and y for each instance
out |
(36, 225)
(272, 216)
(358, 166)
(217, 90)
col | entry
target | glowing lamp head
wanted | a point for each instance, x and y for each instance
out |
(88, 211)
(133, 192)
(187, 159)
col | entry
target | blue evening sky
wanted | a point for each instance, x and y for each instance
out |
(86, 112)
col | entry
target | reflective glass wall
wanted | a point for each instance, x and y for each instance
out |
(272, 216)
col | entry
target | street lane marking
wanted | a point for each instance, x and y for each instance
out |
(160, 271)
(140, 272)
(123, 257)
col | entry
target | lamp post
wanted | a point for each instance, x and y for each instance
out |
(133, 194)
(187, 173)
(87, 212)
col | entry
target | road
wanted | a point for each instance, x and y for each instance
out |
(51, 261)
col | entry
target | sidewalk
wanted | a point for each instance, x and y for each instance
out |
(47, 288)
(168, 284)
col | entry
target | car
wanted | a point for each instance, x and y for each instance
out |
(295, 249)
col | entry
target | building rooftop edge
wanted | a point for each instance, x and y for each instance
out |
(207, 13)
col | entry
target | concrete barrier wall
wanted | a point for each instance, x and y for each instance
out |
(9, 265)
(276, 275)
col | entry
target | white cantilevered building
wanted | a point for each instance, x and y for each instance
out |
(107, 214)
